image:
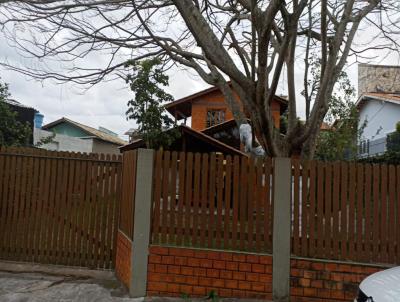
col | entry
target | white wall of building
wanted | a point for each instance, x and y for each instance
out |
(63, 142)
(381, 118)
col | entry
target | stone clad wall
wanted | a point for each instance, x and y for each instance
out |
(378, 78)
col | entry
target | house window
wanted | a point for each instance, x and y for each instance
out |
(215, 117)
(364, 147)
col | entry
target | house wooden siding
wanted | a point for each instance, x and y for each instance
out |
(215, 101)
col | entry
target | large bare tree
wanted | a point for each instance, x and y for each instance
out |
(247, 42)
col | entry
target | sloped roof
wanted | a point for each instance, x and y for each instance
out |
(380, 96)
(220, 127)
(89, 130)
(17, 104)
(183, 106)
(216, 144)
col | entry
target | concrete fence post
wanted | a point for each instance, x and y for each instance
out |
(141, 229)
(281, 231)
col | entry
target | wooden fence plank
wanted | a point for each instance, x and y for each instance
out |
(19, 200)
(37, 169)
(312, 211)
(335, 208)
(97, 222)
(112, 200)
(7, 205)
(367, 215)
(376, 202)
(81, 231)
(220, 191)
(360, 209)
(11, 205)
(103, 225)
(235, 206)
(384, 215)
(259, 203)
(45, 206)
(172, 203)
(57, 213)
(181, 201)
(227, 203)
(204, 199)
(86, 208)
(320, 209)
(295, 210)
(188, 198)
(305, 226)
(211, 201)
(15, 196)
(392, 215)
(157, 197)
(63, 210)
(196, 198)
(4, 172)
(328, 212)
(29, 203)
(93, 214)
(116, 209)
(267, 205)
(165, 197)
(42, 211)
(243, 201)
(398, 213)
(250, 204)
(352, 203)
(343, 209)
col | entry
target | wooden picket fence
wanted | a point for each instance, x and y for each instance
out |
(340, 211)
(346, 211)
(212, 201)
(59, 207)
(127, 214)
(62, 208)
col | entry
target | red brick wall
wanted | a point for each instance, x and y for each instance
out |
(326, 281)
(173, 271)
(123, 258)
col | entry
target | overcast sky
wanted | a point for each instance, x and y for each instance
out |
(104, 104)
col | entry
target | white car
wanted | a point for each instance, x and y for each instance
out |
(383, 286)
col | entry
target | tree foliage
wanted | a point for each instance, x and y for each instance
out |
(13, 133)
(257, 45)
(146, 108)
(339, 142)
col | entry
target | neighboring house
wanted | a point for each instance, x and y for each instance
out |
(378, 105)
(212, 123)
(74, 136)
(207, 108)
(25, 114)
(133, 134)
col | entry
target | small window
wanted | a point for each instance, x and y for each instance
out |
(215, 117)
